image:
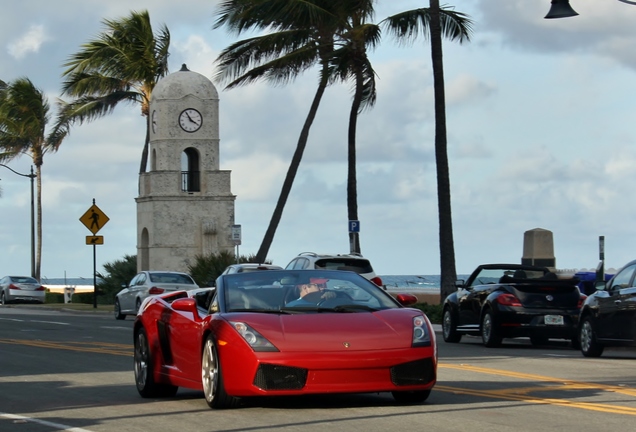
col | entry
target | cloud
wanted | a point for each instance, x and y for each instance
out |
(28, 43)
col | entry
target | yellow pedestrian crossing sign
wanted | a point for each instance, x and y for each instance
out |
(94, 240)
(94, 219)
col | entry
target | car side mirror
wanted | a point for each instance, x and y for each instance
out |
(185, 305)
(600, 285)
(460, 283)
(406, 299)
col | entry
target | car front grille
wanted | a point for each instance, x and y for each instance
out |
(275, 377)
(413, 373)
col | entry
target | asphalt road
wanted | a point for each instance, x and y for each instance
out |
(70, 371)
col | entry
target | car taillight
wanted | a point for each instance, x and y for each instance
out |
(581, 300)
(155, 291)
(40, 288)
(376, 280)
(508, 300)
(15, 287)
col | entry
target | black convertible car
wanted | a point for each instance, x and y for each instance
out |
(510, 300)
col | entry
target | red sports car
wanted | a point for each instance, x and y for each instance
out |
(284, 332)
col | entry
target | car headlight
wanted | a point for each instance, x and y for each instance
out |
(252, 337)
(421, 332)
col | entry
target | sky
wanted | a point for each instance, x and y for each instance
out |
(540, 120)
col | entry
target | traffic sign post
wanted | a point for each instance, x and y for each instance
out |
(236, 238)
(94, 219)
(354, 233)
(94, 240)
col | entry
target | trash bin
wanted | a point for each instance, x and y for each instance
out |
(68, 294)
(587, 280)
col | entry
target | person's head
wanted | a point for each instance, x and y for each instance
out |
(308, 288)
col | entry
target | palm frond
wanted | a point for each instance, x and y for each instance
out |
(242, 15)
(89, 108)
(238, 58)
(407, 26)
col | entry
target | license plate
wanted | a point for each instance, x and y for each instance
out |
(553, 320)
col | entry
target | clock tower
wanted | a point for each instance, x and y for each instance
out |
(185, 206)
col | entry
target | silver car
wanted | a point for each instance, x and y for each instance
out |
(147, 283)
(21, 289)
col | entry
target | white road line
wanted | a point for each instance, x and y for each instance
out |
(58, 426)
(50, 322)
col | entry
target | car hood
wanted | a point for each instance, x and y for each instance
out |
(387, 329)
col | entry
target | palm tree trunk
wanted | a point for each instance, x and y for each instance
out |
(144, 152)
(447, 249)
(261, 255)
(352, 181)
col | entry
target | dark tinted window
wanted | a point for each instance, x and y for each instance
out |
(27, 280)
(349, 264)
(623, 278)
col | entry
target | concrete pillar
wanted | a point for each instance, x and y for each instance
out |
(538, 248)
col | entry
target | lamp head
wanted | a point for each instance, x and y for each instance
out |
(560, 9)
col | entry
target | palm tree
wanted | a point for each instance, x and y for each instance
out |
(24, 116)
(123, 64)
(455, 26)
(350, 62)
(302, 33)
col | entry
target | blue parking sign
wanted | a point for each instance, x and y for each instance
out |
(354, 226)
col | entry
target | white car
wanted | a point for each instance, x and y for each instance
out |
(348, 262)
(21, 289)
(147, 283)
(245, 267)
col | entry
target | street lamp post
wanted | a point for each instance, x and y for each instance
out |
(31, 176)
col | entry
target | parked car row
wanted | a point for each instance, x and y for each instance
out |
(500, 301)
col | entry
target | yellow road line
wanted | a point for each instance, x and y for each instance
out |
(95, 347)
(533, 377)
(509, 395)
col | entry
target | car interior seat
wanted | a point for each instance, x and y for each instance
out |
(519, 274)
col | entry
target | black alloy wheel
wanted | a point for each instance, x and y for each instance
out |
(449, 327)
(490, 332)
(587, 338)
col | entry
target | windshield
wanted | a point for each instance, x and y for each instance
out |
(24, 280)
(502, 275)
(303, 290)
(176, 278)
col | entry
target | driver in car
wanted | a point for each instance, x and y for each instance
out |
(312, 293)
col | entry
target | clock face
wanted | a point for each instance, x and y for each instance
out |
(153, 121)
(190, 120)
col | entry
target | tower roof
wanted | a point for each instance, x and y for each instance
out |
(182, 83)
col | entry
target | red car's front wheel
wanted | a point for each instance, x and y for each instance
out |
(212, 379)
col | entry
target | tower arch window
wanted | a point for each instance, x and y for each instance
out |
(190, 170)
(153, 160)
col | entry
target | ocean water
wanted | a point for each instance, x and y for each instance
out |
(414, 282)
